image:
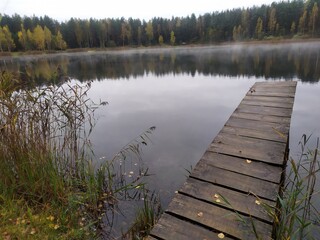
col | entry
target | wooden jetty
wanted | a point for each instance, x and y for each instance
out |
(242, 169)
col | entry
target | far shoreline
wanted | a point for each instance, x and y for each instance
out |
(6, 55)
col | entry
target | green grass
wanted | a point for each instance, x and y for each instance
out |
(51, 186)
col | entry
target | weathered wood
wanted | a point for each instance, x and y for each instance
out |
(261, 118)
(273, 128)
(272, 94)
(272, 89)
(233, 200)
(270, 111)
(269, 99)
(218, 218)
(255, 169)
(235, 181)
(276, 84)
(242, 168)
(260, 134)
(254, 149)
(170, 227)
(266, 104)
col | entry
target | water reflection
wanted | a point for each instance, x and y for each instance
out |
(285, 61)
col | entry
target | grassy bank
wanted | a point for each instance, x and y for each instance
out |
(51, 186)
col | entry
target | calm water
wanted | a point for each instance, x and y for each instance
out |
(186, 93)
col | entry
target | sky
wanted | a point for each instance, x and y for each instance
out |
(62, 10)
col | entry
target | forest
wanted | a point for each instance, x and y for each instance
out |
(298, 19)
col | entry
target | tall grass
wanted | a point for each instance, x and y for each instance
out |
(49, 179)
(298, 216)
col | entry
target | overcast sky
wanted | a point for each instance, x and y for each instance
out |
(144, 9)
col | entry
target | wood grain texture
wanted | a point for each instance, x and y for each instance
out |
(272, 128)
(254, 149)
(252, 133)
(255, 169)
(173, 228)
(235, 181)
(261, 118)
(233, 200)
(217, 218)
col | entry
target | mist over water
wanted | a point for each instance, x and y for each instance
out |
(187, 93)
(270, 61)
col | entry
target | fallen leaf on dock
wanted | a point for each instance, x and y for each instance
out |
(221, 235)
(200, 214)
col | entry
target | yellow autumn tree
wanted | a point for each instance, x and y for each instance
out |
(59, 43)
(39, 38)
(259, 28)
(149, 31)
(6, 40)
(23, 38)
(47, 38)
(172, 38)
(313, 18)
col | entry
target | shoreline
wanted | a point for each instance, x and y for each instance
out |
(4, 55)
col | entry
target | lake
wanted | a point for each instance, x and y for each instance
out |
(187, 93)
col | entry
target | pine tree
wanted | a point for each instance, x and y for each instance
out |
(149, 31)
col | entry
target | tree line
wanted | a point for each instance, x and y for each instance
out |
(286, 19)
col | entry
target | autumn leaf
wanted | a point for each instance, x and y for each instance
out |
(200, 214)
(221, 235)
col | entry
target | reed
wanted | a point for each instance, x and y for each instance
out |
(51, 185)
(297, 215)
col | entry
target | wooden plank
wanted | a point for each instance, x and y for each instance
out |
(270, 111)
(277, 83)
(170, 227)
(235, 181)
(272, 94)
(272, 128)
(269, 99)
(245, 132)
(266, 104)
(254, 149)
(261, 118)
(288, 92)
(259, 170)
(272, 88)
(233, 200)
(218, 218)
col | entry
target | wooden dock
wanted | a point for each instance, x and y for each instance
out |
(242, 169)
